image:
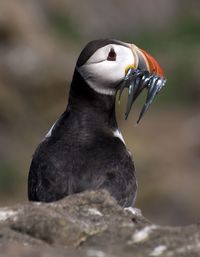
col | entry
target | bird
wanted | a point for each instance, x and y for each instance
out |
(84, 149)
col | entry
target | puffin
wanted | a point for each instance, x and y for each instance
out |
(84, 149)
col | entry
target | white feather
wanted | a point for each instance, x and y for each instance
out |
(50, 131)
(103, 75)
(118, 134)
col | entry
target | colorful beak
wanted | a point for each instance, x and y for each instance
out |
(154, 67)
(146, 61)
(144, 73)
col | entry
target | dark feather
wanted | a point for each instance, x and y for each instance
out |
(82, 152)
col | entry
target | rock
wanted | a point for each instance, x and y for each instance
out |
(89, 224)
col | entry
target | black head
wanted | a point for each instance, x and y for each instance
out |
(103, 63)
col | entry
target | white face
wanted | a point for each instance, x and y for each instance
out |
(106, 68)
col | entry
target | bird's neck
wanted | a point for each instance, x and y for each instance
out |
(90, 106)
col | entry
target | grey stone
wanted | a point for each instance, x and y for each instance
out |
(90, 224)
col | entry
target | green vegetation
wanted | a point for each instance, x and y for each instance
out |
(63, 26)
(178, 50)
(10, 179)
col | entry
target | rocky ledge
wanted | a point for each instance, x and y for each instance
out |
(90, 224)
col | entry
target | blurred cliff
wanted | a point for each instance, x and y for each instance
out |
(39, 44)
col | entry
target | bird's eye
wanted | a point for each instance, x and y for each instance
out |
(112, 55)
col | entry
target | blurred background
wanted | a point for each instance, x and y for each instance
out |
(40, 41)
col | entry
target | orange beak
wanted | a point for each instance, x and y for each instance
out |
(154, 66)
(145, 72)
(144, 61)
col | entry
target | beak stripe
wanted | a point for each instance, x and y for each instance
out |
(135, 55)
(153, 64)
(143, 63)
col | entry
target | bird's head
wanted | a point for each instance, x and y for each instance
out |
(110, 65)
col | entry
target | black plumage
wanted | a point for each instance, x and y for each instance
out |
(82, 153)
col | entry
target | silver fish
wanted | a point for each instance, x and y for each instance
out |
(136, 80)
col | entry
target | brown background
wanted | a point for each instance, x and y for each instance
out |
(39, 44)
